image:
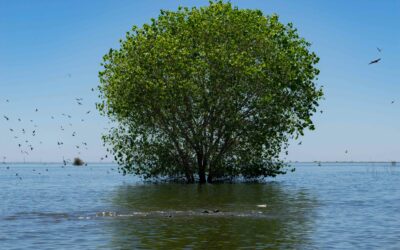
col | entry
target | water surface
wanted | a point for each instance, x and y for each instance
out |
(333, 206)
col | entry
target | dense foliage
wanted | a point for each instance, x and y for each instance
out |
(208, 93)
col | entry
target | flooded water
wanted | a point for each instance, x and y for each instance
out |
(333, 206)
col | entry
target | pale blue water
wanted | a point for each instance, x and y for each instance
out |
(333, 206)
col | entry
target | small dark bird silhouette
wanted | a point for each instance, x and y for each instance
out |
(379, 49)
(392, 102)
(375, 61)
(5, 117)
(346, 152)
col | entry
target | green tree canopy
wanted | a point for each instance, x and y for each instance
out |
(208, 93)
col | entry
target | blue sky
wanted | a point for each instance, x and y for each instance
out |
(50, 53)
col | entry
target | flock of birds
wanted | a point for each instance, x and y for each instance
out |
(26, 134)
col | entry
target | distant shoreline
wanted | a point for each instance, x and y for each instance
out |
(37, 162)
(290, 162)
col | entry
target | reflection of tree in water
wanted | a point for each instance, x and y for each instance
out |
(285, 223)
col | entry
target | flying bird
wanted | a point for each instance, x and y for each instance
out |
(5, 117)
(379, 49)
(375, 61)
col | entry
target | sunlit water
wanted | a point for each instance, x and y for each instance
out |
(333, 206)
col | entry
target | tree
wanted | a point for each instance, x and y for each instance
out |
(208, 93)
(77, 162)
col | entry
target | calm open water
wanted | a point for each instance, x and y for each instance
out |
(333, 206)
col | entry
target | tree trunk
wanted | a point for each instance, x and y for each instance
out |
(188, 172)
(202, 176)
(189, 178)
(202, 169)
(209, 178)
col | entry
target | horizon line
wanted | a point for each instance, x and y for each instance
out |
(69, 163)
